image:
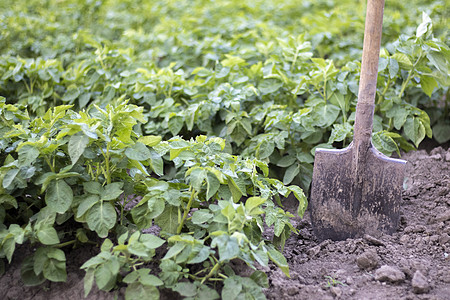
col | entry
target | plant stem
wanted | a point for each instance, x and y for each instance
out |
(410, 75)
(186, 211)
(52, 168)
(107, 170)
(405, 83)
(211, 273)
(381, 97)
(65, 244)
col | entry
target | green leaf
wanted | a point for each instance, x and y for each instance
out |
(9, 177)
(59, 196)
(151, 241)
(201, 216)
(72, 93)
(101, 218)
(88, 282)
(139, 291)
(85, 204)
(93, 187)
(168, 220)
(48, 236)
(51, 263)
(77, 145)
(8, 200)
(27, 273)
(228, 247)
(201, 256)
(278, 259)
(403, 60)
(105, 277)
(175, 250)
(290, 173)
(252, 204)
(414, 130)
(265, 149)
(150, 140)
(439, 60)
(384, 143)
(393, 68)
(206, 293)
(286, 161)
(156, 163)
(232, 287)
(270, 85)
(175, 124)
(441, 132)
(27, 155)
(196, 176)
(340, 132)
(112, 191)
(424, 26)
(186, 289)
(260, 278)
(138, 152)
(212, 185)
(428, 83)
(9, 245)
(301, 197)
(55, 270)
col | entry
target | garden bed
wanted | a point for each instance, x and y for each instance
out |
(418, 254)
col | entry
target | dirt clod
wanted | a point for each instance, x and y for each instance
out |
(389, 274)
(368, 260)
(336, 291)
(420, 283)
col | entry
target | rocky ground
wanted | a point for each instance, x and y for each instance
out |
(413, 263)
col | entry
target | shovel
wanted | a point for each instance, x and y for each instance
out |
(357, 190)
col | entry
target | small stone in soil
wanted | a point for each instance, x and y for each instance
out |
(373, 240)
(442, 217)
(293, 290)
(389, 274)
(314, 251)
(368, 260)
(420, 283)
(444, 238)
(447, 156)
(336, 291)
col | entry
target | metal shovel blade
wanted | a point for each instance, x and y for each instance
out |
(349, 199)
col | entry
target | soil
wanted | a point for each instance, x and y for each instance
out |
(413, 263)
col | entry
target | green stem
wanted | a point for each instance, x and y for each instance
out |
(52, 168)
(107, 170)
(405, 83)
(211, 273)
(295, 60)
(381, 97)
(186, 211)
(65, 244)
(410, 75)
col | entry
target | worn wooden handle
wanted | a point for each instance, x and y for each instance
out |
(369, 72)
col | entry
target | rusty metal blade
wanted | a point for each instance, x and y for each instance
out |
(347, 204)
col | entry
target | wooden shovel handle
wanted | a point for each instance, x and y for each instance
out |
(369, 72)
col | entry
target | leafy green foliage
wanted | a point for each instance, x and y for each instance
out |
(127, 122)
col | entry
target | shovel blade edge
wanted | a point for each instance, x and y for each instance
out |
(344, 204)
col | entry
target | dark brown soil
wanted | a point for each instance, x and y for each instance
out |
(413, 263)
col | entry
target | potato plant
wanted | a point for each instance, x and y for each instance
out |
(197, 118)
